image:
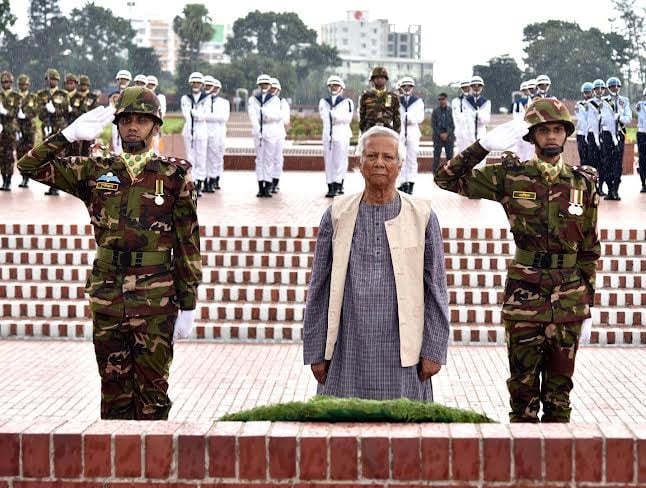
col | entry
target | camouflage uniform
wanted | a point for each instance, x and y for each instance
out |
(26, 127)
(379, 107)
(81, 102)
(550, 283)
(58, 120)
(148, 261)
(11, 102)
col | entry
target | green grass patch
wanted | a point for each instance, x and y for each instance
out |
(332, 409)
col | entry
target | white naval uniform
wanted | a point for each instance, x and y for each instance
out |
(336, 113)
(195, 132)
(477, 115)
(411, 111)
(267, 125)
(278, 159)
(458, 107)
(217, 116)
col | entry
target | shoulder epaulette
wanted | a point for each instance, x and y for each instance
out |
(588, 172)
(510, 160)
(182, 164)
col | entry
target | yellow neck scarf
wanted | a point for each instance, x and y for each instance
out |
(549, 171)
(135, 163)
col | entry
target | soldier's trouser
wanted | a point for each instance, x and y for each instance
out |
(608, 157)
(618, 161)
(335, 156)
(265, 151)
(278, 159)
(25, 143)
(134, 365)
(582, 147)
(438, 144)
(214, 155)
(541, 363)
(641, 149)
(594, 153)
(7, 147)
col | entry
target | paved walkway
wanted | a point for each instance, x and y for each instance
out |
(59, 380)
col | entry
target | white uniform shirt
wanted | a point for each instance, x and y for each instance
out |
(410, 118)
(640, 107)
(267, 119)
(581, 112)
(336, 113)
(194, 125)
(218, 110)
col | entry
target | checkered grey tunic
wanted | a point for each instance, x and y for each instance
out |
(366, 361)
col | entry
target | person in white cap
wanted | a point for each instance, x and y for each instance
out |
(531, 88)
(140, 80)
(151, 84)
(123, 79)
(279, 158)
(195, 130)
(411, 110)
(267, 125)
(524, 149)
(543, 84)
(336, 113)
(458, 107)
(217, 116)
(477, 113)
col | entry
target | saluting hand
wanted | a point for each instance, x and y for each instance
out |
(89, 125)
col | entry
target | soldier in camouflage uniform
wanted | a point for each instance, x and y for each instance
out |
(378, 106)
(9, 106)
(148, 262)
(82, 101)
(26, 116)
(53, 110)
(552, 211)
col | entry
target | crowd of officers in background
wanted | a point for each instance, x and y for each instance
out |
(602, 116)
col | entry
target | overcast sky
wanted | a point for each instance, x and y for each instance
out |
(471, 32)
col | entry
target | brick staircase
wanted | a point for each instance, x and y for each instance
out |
(255, 283)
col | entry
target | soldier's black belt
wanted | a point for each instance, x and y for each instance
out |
(545, 260)
(137, 258)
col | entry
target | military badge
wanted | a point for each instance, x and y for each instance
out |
(576, 202)
(524, 195)
(108, 181)
(389, 100)
(159, 192)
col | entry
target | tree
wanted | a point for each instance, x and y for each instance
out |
(570, 55)
(47, 34)
(7, 19)
(99, 43)
(144, 60)
(502, 77)
(633, 19)
(193, 28)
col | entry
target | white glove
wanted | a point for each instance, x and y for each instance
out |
(504, 136)
(1, 128)
(3, 111)
(50, 107)
(586, 331)
(184, 324)
(20, 114)
(69, 108)
(194, 112)
(89, 125)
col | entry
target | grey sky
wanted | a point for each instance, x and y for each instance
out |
(471, 32)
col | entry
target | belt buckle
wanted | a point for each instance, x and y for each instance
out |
(124, 259)
(542, 260)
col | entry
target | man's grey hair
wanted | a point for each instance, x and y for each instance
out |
(379, 130)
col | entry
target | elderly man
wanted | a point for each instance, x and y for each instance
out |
(376, 321)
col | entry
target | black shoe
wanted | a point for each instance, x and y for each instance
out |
(331, 190)
(339, 188)
(261, 192)
(643, 190)
(402, 187)
(410, 187)
(616, 193)
(267, 189)
(198, 188)
(274, 185)
(4, 183)
(208, 186)
(25, 182)
(216, 183)
(52, 192)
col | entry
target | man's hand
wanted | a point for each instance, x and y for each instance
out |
(586, 331)
(3, 111)
(319, 370)
(504, 136)
(184, 324)
(427, 368)
(89, 125)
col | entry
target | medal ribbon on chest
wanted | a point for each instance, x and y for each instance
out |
(576, 202)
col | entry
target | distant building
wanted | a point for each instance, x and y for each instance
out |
(357, 36)
(405, 44)
(397, 67)
(213, 50)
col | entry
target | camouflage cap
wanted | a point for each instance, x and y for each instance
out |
(24, 80)
(138, 100)
(379, 71)
(6, 75)
(84, 80)
(71, 77)
(546, 110)
(52, 74)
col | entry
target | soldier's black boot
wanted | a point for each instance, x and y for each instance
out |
(198, 188)
(410, 187)
(617, 197)
(25, 182)
(402, 187)
(643, 190)
(601, 192)
(7, 185)
(52, 192)
(267, 189)
(4, 183)
(339, 188)
(274, 185)
(216, 183)
(331, 190)
(208, 188)
(261, 189)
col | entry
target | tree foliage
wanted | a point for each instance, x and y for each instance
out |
(502, 77)
(193, 28)
(144, 60)
(7, 19)
(570, 55)
(633, 18)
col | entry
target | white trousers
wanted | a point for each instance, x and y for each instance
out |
(196, 155)
(278, 159)
(265, 152)
(409, 168)
(214, 157)
(335, 156)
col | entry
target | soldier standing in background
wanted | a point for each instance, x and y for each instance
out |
(552, 211)
(26, 116)
(82, 101)
(543, 84)
(614, 125)
(595, 107)
(443, 130)
(477, 113)
(140, 80)
(217, 115)
(458, 107)
(148, 264)
(195, 134)
(279, 157)
(54, 107)
(123, 79)
(9, 107)
(336, 113)
(640, 107)
(581, 112)
(411, 113)
(378, 106)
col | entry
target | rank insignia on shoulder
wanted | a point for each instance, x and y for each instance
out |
(524, 195)
(510, 160)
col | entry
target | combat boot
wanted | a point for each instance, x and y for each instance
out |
(4, 183)
(198, 188)
(7, 185)
(261, 189)
(25, 182)
(331, 190)
(643, 190)
(267, 189)
(617, 197)
(216, 183)
(339, 188)
(274, 185)
(52, 192)
(207, 186)
(410, 187)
